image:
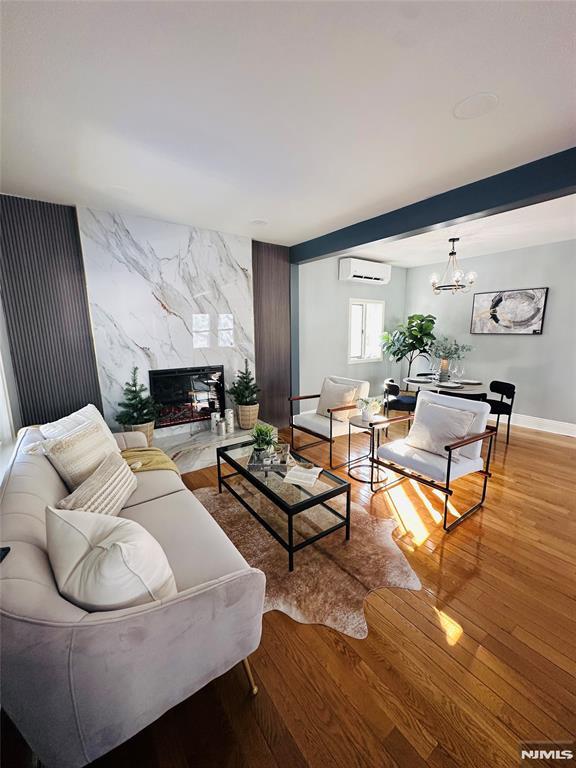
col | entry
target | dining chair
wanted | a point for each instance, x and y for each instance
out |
(500, 407)
(480, 396)
(394, 401)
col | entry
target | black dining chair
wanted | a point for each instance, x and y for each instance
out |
(500, 407)
(394, 401)
(482, 396)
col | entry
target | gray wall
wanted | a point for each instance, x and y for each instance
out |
(542, 367)
(324, 302)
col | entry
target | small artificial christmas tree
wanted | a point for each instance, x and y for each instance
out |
(244, 390)
(136, 408)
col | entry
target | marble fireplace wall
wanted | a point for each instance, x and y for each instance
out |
(164, 295)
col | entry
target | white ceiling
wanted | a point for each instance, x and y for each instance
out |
(310, 115)
(550, 222)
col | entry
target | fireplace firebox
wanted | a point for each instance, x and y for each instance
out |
(187, 394)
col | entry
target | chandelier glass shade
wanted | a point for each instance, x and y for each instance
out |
(453, 279)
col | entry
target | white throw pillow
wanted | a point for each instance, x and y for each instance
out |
(106, 490)
(103, 563)
(436, 426)
(333, 395)
(77, 455)
(75, 421)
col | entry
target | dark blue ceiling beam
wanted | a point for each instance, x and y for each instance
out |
(545, 179)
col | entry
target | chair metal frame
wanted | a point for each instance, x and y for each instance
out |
(488, 434)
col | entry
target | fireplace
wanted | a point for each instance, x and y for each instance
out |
(187, 394)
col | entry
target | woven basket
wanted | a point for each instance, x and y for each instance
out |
(247, 415)
(147, 429)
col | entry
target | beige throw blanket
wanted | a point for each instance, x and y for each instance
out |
(144, 459)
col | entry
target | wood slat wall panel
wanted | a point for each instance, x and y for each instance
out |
(271, 276)
(46, 307)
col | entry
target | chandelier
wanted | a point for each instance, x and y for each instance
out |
(453, 278)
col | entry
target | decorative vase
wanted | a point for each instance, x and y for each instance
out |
(147, 429)
(247, 415)
(444, 370)
(366, 414)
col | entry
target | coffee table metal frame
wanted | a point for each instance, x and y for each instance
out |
(291, 510)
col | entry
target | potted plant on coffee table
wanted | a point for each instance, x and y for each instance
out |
(138, 411)
(264, 436)
(244, 392)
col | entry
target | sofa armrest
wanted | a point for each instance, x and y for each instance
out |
(130, 440)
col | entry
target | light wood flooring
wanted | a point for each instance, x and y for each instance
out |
(456, 675)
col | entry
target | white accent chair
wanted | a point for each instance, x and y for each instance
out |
(434, 470)
(326, 428)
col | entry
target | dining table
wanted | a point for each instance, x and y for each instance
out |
(465, 386)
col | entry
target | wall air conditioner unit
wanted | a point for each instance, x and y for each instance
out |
(363, 271)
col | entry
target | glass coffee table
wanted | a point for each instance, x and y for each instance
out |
(290, 499)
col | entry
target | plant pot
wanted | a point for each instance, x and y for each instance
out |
(366, 414)
(147, 429)
(444, 372)
(263, 453)
(247, 415)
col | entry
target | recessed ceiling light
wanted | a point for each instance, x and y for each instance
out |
(475, 106)
(259, 222)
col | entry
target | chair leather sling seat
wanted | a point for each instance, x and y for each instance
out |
(321, 425)
(425, 463)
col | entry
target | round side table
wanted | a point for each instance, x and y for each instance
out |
(373, 427)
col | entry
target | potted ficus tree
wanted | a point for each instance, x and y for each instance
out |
(244, 392)
(138, 411)
(410, 340)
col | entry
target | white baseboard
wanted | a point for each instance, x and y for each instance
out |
(535, 422)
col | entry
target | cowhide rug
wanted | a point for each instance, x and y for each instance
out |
(331, 577)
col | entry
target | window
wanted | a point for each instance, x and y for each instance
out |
(365, 327)
(200, 331)
(225, 330)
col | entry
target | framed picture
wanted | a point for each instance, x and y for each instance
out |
(503, 312)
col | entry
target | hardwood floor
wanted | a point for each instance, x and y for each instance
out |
(456, 675)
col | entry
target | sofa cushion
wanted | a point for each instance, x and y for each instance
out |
(106, 490)
(102, 563)
(197, 548)
(77, 455)
(72, 422)
(153, 484)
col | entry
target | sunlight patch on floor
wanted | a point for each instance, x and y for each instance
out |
(451, 628)
(407, 514)
(451, 508)
(436, 516)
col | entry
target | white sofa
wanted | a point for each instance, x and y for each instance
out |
(77, 684)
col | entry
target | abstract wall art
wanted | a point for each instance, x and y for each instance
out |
(519, 311)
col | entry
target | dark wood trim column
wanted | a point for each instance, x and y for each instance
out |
(45, 304)
(271, 278)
